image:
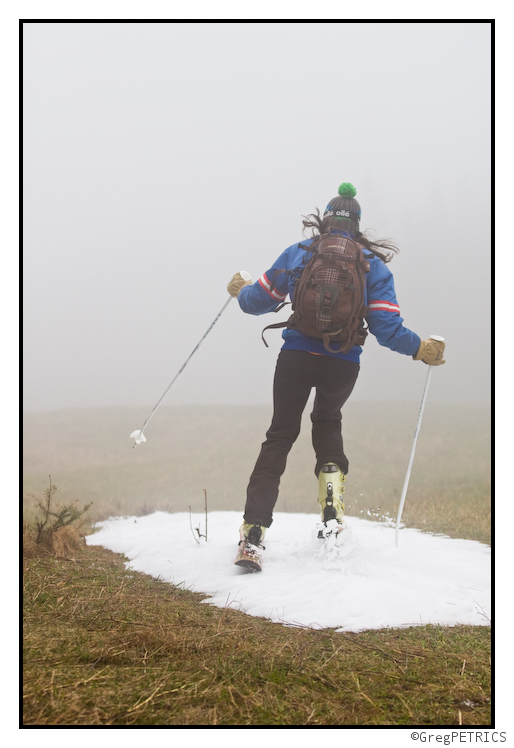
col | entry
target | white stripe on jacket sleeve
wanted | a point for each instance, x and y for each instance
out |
(383, 306)
(266, 285)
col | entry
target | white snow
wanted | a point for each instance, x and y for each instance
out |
(367, 583)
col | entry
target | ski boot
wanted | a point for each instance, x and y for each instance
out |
(330, 498)
(249, 554)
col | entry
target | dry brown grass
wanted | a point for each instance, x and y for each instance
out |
(63, 542)
(107, 646)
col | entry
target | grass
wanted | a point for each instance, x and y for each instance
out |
(107, 646)
(89, 455)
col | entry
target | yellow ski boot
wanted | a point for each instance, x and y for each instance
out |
(330, 498)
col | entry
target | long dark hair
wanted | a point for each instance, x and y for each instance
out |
(382, 248)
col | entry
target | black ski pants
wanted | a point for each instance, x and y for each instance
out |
(297, 372)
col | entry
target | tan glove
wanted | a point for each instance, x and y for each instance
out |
(237, 283)
(431, 352)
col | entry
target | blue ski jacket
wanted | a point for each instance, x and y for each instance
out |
(383, 318)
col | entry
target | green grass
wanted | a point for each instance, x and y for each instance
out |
(107, 646)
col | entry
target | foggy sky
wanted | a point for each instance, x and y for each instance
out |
(161, 158)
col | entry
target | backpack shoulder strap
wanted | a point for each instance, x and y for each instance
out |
(295, 273)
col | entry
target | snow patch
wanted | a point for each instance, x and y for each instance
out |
(362, 581)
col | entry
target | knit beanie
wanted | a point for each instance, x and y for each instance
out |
(343, 211)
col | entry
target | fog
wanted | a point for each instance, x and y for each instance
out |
(161, 158)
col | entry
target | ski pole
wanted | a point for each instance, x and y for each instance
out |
(138, 435)
(413, 450)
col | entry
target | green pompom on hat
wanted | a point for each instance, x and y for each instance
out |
(347, 190)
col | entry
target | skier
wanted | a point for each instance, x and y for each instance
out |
(305, 362)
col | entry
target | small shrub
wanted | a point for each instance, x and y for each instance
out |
(57, 530)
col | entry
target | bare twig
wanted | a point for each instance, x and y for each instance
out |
(191, 526)
(205, 492)
(200, 535)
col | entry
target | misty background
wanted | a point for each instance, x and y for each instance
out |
(161, 158)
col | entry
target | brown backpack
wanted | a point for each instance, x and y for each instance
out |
(328, 300)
